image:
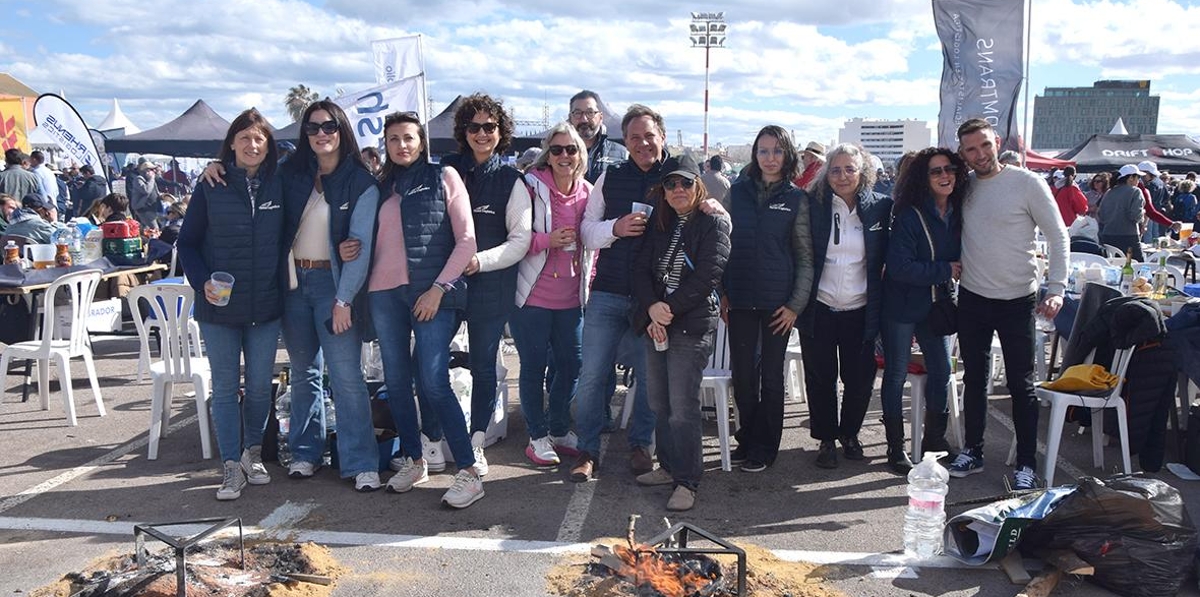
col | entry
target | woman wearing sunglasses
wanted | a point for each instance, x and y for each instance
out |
(675, 278)
(500, 209)
(839, 326)
(922, 257)
(552, 286)
(767, 283)
(425, 239)
(329, 197)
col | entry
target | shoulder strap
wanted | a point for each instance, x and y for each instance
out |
(932, 253)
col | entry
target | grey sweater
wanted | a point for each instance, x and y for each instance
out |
(1000, 216)
(1121, 211)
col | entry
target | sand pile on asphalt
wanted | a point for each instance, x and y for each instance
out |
(766, 576)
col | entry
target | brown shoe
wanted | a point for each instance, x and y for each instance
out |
(640, 460)
(581, 472)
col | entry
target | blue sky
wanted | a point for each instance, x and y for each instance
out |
(807, 65)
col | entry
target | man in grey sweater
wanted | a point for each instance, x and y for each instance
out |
(999, 290)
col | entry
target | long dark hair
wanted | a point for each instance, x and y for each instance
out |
(657, 196)
(399, 118)
(791, 158)
(250, 119)
(912, 184)
(305, 159)
(473, 105)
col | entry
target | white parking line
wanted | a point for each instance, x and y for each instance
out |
(581, 503)
(72, 474)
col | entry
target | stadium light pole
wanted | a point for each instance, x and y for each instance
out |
(708, 31)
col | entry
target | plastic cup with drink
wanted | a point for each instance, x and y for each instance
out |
(570, 246)
(1185, 231)
(223, 285)
(642, 208)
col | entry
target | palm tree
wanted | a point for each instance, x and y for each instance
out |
(297, 100)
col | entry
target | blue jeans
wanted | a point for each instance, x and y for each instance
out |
(240, 425)
(391, 311)
(673, 378)
(533, 329)
(897, 346)
(305, 313)
(605, 323)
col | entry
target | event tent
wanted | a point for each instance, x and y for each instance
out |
(116, 119)
(1109, 152)
(197, 133)
(1037, 161)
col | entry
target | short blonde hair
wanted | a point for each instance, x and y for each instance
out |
(1186, 186)
(563, 128)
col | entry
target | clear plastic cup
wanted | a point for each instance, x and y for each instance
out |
(642, 208)
(223, 282)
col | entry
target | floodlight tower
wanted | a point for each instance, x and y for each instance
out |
(708, 31)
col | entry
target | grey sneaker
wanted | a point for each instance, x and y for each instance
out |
(968, 462)
(233, 483)
(252, 464)
(368, 481)
(300, 469)
(681, 499)
(658, 476)
(466, 490)
(481, 464)
(409, 475)
(1025, 479)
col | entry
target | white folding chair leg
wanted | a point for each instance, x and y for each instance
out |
(90, 364)
(1097, 438)
(194, 336)
(917, 383)
(168, 398)
(956, 423)
(721, 399)
(64, 381)
(1012, 452)
(202, 419)
(43, 376)
(1058, 420)
(160, 403)
(627, 407)
(143, 366)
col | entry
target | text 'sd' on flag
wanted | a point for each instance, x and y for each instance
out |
(12, 125)
(982, 66)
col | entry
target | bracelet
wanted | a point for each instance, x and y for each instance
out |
(444, 286)
(341, 303)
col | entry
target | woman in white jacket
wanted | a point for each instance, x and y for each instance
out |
(552, 283)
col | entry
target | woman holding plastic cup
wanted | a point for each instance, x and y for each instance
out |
(675, 277)
(232, 233)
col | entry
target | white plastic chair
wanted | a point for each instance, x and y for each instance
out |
(1112, 252)
(718, 382)
(917, 384)
(82, 288)
(1087, 259)
(172, 306)
(793, 369)
(1059, 401)
(153, 324)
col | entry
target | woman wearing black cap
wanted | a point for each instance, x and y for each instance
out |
(675, 278)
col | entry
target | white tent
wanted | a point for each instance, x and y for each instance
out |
(1119, 128)
(116, 120)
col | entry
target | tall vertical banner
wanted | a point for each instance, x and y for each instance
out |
(63, 124)
(397, 58)
(12, 124)
(982, 66)
(369, 107)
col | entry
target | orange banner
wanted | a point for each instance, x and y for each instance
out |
(12, 125)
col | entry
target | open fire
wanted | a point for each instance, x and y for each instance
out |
(669, 567)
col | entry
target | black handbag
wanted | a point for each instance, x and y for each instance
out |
(943, 315)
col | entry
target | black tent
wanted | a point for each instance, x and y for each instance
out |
(197, 133)
(1102, 153)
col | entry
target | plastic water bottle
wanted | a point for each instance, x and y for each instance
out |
(283, 412)
(926, 507)
(71, 237)
(93, 245)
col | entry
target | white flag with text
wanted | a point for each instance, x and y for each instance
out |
(397, 58)
(369, 107)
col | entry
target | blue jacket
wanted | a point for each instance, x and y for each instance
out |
(762, 266)
(875, 211)
(911, 270)
(227, 230)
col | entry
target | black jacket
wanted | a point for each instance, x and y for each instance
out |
(694, 303)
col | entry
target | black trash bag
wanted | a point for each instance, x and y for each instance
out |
(1135, 532)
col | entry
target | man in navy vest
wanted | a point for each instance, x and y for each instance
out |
(611, 225)
(588, 120)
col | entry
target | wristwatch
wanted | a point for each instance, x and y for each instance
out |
(341, 303)
(445, 286)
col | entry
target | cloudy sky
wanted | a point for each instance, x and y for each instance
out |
(805, 64)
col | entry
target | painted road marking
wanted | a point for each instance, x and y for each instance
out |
(581, 502)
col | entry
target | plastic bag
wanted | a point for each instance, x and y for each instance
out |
(988, 533)
(1135, 531)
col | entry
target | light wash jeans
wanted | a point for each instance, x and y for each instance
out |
(241, 425)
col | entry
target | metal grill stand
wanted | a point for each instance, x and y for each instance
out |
(181, 545)
(675, 540)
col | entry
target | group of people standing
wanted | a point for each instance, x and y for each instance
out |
(328, 253)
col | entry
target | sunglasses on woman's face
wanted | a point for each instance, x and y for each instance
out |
(487, 127)
(328, 127)
(671, 184)
(940, 170)
(559, 149)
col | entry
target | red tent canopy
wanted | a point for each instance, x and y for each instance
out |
(1037, 161)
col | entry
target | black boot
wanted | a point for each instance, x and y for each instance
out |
(934, 438)
(897, 457)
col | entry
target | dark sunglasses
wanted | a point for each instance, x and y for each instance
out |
(940, 170)
(328, 127)
(671, 184)
(487, 127)
(559, 149)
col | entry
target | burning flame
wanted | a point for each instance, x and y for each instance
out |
(644, 565)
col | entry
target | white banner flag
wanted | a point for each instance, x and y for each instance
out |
(61, 122)
(397, 58)
(368, 108)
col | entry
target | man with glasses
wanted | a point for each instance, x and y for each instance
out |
(998, 291)
(588, 120)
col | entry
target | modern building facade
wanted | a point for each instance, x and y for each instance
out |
(1064, 117)
(887, 139)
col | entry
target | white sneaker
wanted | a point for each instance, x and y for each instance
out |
(566, 444)
(300, 469)
(481, 464)
(466, 490)
(409, 475)
(541, 452)
(252, 465)
(434, 458)
(368, 481)
(233, 482)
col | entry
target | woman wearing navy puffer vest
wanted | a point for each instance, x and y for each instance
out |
(237, 229)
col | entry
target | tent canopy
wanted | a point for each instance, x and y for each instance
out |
(116, 120)
(1109, 152)
(197, 133)
(1037, 161)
